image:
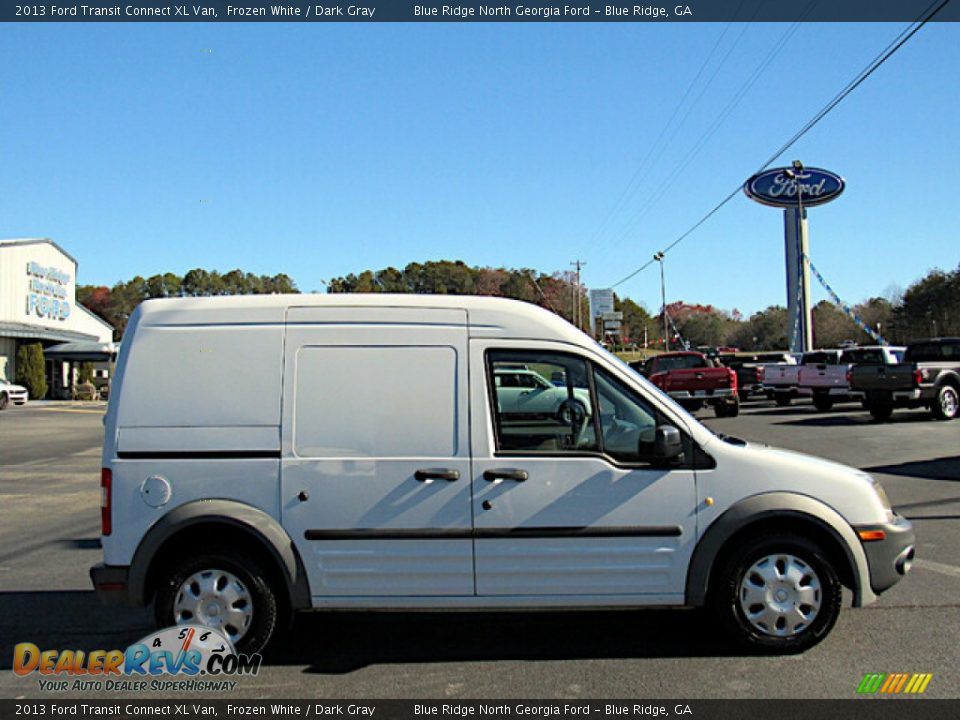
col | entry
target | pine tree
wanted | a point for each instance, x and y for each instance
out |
(30, 370)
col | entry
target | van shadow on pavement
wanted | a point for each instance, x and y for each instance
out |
(341, 642)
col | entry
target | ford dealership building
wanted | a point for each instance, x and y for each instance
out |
(38, 303)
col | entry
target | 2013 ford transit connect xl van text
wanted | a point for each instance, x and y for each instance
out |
(280, 453)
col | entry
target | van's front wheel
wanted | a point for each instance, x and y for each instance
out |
(778, 593)
(218, 591)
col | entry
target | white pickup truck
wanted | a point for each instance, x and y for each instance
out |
(779, 379)
(829, 382)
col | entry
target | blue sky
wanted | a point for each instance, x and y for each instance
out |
(319, 150)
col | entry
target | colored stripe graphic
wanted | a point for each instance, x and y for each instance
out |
(894, 683)
(871, 682)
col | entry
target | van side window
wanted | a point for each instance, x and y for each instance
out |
(541, 401)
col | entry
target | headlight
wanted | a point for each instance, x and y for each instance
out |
(882, 495)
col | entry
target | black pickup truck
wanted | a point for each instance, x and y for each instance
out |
(748, 368)
(929, 376)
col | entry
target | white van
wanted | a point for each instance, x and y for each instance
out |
(279, 453)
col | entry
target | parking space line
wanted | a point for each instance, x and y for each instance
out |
(72, 410)
(942, 568)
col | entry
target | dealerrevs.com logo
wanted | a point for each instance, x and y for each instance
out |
(202, 657)
(894, 683)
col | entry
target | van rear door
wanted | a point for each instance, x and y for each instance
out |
(375, 487)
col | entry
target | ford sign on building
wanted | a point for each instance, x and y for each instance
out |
(788, 188)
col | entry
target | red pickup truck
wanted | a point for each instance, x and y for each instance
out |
(693, 380)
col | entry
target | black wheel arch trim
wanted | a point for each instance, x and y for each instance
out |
(255, 522)
(769, 506)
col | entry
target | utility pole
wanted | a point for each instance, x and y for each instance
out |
(663, 298)
(577, 309)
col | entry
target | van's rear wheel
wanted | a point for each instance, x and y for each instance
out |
(219, 591)
(777, 593)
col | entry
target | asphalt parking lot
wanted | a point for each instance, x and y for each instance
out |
(49, 526)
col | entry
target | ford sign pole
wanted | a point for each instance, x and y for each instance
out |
(795, 189)
(797, 247)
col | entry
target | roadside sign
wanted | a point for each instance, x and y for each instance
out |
(601, 301)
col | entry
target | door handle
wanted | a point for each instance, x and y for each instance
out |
(429, 474)
(505, 474)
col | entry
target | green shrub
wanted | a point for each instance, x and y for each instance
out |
(85, 374)
(31, 371)
(85, 391)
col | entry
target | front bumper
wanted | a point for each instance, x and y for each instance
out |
(890, 558)
(111, 583)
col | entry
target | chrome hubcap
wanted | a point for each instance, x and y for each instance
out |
(948, 402)
(216, 599)
(780, 595)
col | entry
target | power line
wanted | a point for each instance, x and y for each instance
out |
(870, 68)
(714, 127)
(636, 180)
(657, 149)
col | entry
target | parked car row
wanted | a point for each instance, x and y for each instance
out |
(926, 373)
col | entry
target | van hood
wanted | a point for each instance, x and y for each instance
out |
(763, 468)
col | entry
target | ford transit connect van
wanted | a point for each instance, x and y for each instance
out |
(280, 453)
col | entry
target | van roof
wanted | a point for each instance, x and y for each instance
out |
(486, 316)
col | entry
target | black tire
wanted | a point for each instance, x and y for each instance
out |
(782, 399)
(4, 401)
(946, 404)
(691, 407)
(727, 408)
(880, 411)
(807, 560)
(822, 402)
(572, 412)
(247, 570)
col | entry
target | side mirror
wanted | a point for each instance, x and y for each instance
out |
(667, 444)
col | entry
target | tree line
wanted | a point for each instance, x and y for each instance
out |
(557, 291)
(116, 304)
(930, 306)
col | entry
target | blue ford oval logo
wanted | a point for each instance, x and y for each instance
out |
(777, 188)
